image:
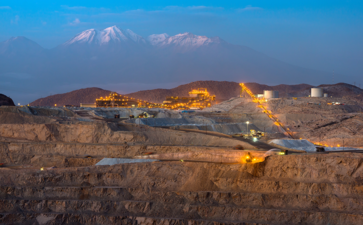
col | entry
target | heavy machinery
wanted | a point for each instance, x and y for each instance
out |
(257, 134)
(145, 115)
(254, 135)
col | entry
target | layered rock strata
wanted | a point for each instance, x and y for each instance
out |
(295, 189)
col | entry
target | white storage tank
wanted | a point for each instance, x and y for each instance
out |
(317, 92)
(325, 95)
(270, 94)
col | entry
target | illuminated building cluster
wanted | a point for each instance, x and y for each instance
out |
(197, 99)
(116, 100)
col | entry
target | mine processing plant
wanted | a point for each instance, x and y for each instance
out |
(197, 99)
(116, 100)
(315, 92)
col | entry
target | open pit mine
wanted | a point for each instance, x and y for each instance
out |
(253, 159)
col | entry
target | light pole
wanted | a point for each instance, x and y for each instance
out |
(247, 125)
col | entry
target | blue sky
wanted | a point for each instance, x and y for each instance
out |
(323, 35)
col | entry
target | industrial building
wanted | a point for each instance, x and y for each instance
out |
(116, 100)
(268, 94)
(317, 92)
(197, 99)
(86, 105)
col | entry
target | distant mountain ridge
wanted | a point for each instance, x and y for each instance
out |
(109, 35)
(19, 45)
(115, 35)
(114, 55)
(222, 89)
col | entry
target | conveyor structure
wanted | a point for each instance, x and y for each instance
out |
(266, 111)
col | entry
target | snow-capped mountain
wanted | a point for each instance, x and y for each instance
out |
(109, 35)
(112, 35)
(186, 40)
(156, 39)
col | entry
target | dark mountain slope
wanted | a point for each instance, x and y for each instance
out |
(86, 95)
(5, 100)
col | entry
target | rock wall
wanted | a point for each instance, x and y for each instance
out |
(38, 154)
(81, 133)
(292, 189)
(105, 133)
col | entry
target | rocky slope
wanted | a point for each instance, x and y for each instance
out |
(314, 119)
(86, 95)
(325, 188)
(59, 137)
(296, 189)
(5, 100)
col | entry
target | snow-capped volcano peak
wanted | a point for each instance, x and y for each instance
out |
(186, 39)
(112, 34)
(189, 39)
(109, 35)
(88, 36)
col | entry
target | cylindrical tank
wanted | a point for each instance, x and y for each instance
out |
(325, 95)
(317, 92)
(270, 94)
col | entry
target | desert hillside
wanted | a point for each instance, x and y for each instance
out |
(86, 95)
(222, 89)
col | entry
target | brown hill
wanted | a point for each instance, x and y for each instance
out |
(5, 100)
(222, 89)
(86, 95)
